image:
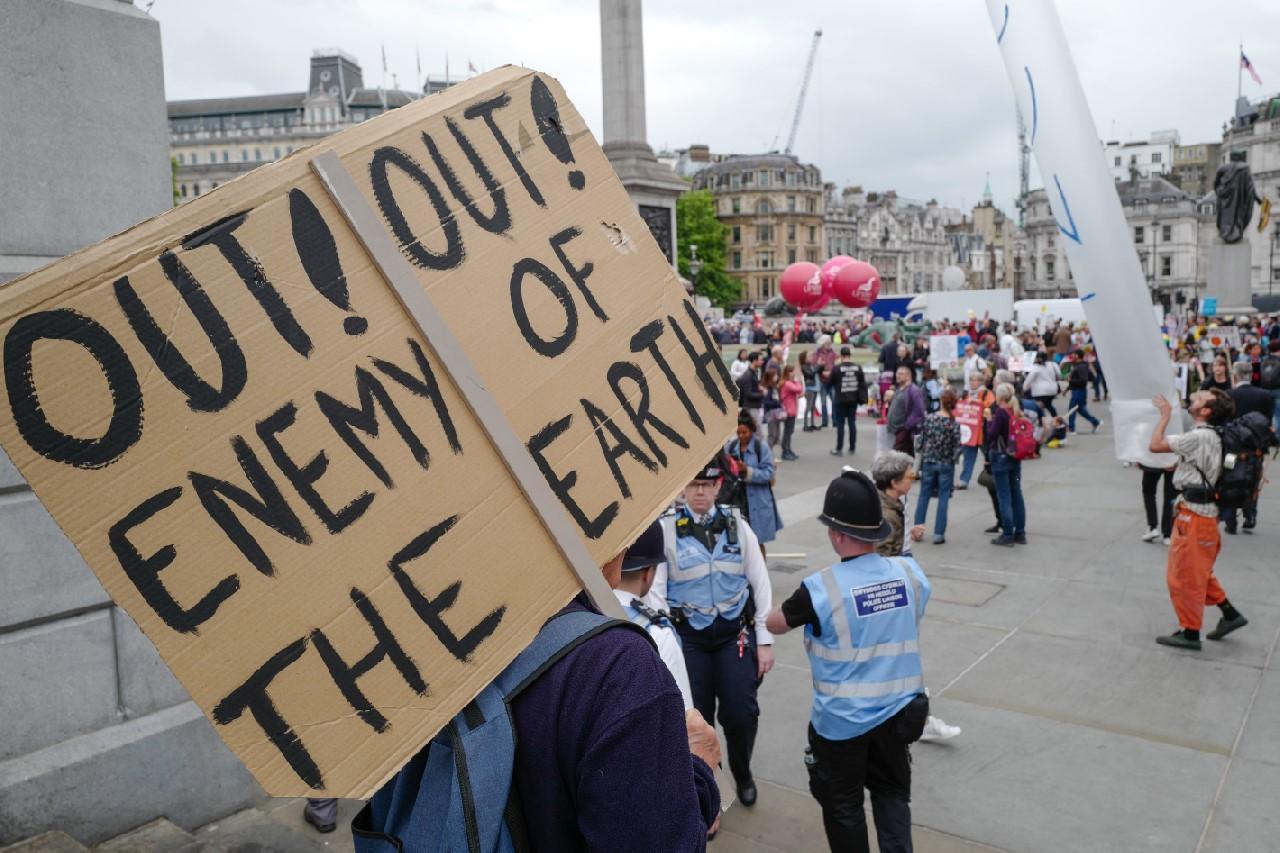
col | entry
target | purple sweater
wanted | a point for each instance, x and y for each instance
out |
(602, 756)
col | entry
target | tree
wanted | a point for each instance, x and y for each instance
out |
(697, 225)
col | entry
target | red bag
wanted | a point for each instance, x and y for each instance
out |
(1023, 438)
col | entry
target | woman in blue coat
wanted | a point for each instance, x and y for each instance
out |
(754, 454)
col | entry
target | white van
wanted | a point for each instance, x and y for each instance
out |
(1037, 313)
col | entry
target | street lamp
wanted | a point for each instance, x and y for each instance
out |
(695, 267)
(1275, 242)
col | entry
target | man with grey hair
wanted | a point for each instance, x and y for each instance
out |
(1248, 398)
(907, 411)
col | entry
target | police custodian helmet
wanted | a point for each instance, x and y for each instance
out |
(852, 507)
(646, 551)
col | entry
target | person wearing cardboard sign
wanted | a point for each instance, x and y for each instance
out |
(577, 745)
(715, 581)
(861, 619)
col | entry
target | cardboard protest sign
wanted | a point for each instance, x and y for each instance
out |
(944, 351)
(969, 416)
(326, 519)
(1223, 337)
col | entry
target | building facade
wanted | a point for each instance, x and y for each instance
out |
(1165, 225)
(1194, 167)
(1154, 156)
(213, 140)
(772, 205)
(905, 241)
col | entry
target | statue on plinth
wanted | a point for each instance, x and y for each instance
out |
(1236, 195)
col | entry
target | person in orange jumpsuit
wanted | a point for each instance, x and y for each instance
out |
(1196, 541)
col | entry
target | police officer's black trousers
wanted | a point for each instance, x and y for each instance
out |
(721, 680)
(878, 761)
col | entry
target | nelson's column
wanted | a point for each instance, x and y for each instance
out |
(652, 186)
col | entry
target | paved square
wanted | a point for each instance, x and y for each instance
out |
(1080, 733)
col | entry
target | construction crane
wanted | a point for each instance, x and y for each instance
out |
(1024, 170)
(804, 89)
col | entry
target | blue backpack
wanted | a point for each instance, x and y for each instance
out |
(456, 794)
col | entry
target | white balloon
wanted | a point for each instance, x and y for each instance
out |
(952, 278)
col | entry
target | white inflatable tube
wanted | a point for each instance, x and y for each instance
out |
(1091, 223)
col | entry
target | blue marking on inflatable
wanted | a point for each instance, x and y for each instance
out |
(1005, 25)
(1074, 233)
(1088, 296)
(1035, 109)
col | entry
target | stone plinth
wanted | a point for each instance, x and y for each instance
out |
(86, 142)
(96, 736)
(1228, 277)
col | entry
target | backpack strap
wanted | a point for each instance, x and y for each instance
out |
(560, 635)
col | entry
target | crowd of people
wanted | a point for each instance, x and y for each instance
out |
(696, 582)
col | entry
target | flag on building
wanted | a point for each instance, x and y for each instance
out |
(1264, 217)
(1248, 66)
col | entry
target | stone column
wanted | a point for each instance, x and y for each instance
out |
(653, 186)
(622, 52)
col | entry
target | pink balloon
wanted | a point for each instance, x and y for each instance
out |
(857, 284)
(801, 285)
(829, 270)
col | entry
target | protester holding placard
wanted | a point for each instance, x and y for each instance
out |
(973, 415)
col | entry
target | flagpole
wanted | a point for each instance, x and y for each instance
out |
(1231, 135)
(1239, 77)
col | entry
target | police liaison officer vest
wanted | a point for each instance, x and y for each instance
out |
(705, 583)
(866, 664)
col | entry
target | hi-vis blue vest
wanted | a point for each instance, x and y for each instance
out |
(866, 664)
(705, 584)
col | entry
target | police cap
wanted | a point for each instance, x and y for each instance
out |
(852, 507)
(646, 551)
(713, 470)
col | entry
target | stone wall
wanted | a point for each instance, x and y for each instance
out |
(96, 736)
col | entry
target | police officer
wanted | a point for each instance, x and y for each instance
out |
(861, 618)
(631, 582)
(714, 581)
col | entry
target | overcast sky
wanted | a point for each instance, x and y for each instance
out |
(906, 94)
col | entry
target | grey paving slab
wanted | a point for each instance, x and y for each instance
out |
(1021, 595)
(1247, 817)
(949, 648)
(1156, 693)
(252, 830)
(1133, 619)
(1261, 738)
(1026, 783)
(782, 819)
(288, 813)
(784, 700)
